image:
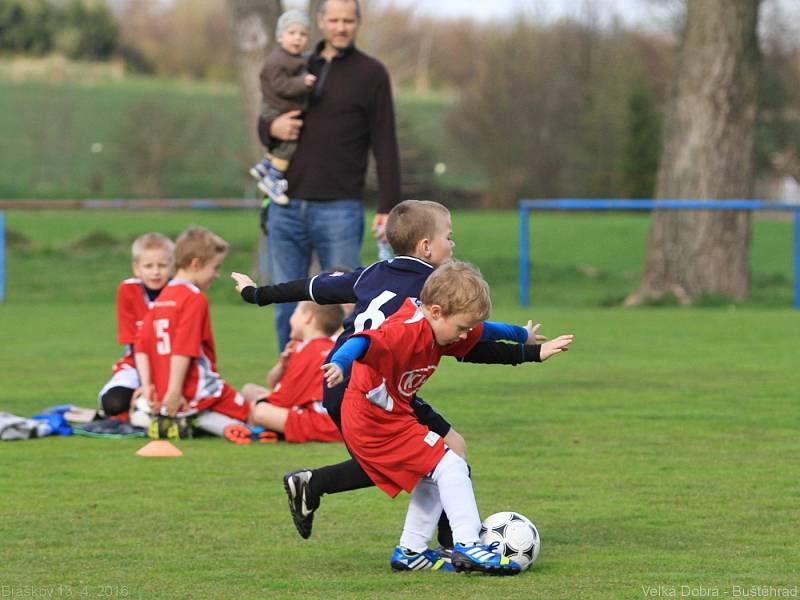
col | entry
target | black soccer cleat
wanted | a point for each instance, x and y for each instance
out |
(302, 501)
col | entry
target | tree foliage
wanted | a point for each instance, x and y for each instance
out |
(79, 29)
(546, 114)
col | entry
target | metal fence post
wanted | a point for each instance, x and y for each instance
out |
(523, 255)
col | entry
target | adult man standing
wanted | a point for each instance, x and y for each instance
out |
(350, 111)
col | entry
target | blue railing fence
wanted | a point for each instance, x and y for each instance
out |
(595, 204)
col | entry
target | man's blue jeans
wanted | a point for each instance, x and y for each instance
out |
(332, 228)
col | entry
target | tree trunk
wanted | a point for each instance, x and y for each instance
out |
(252, 26)
(708, 154)
(314, 34)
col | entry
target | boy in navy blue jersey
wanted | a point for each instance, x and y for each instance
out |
(420, 233)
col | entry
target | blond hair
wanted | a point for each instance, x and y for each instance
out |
(152, 241)
(328, 316)
(412, 221)
(458, 287)
(198, 242)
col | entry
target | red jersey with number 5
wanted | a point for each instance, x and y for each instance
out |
(378, 422)
(180, 323)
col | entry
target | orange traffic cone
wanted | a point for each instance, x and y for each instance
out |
(159, 448)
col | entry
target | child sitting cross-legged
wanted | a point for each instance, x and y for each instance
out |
(389, 365)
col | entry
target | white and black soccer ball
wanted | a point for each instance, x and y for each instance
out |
(517, 537)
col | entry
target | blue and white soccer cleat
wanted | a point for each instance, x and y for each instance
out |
(404, 559)
(483, 558)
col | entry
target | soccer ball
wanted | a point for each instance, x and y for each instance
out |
(517, 537)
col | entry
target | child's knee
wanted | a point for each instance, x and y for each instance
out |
(116, 401)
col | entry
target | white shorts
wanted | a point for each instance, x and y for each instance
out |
(126, 377)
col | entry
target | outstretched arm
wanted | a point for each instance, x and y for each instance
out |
(556, 346)
(502, 353)
(291, 291)
(529, 346)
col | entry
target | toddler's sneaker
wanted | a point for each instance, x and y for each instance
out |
(274, 185)
(261, 170)
(483, 558)
(302, 501)
(404, 559)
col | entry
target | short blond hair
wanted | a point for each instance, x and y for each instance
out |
(329, 317)
(152, 241)
(198, 242)
(412, 221)
(458, 287)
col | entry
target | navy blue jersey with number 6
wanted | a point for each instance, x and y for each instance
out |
(377, 291)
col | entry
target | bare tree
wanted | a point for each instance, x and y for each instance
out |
(708, 154)
(252, 27)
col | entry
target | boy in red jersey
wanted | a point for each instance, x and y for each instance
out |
(153, 262)
(389, 365)
(292, 404)
(175, 350)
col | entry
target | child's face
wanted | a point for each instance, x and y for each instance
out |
(451, 328)
(153, 267)
(441, 246)
(205, 275)
(294, 39)
(298, 321)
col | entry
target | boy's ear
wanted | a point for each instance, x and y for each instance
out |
(435, 310)
(424, 247)
(195, 264)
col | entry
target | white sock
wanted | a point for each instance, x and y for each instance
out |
(214, 422)
(458, 499)
(423, 513)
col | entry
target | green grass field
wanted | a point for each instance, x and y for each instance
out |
(660, 451)
(89, 140)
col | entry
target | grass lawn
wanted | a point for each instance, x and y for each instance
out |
(660, 451)
(93, 140)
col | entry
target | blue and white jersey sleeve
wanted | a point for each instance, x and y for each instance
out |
(334, 288)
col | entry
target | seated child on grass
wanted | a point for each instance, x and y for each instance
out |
(292, 402)
(175, 350)
(153, 262)
(389, 365)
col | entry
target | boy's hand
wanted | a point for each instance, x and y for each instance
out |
(310, 80)
(172, 402)
(148, 392)
(560, 344)
(333, 374)
(534, 337)
(242, 281)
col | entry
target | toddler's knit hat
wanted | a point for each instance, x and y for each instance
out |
(291, 17)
